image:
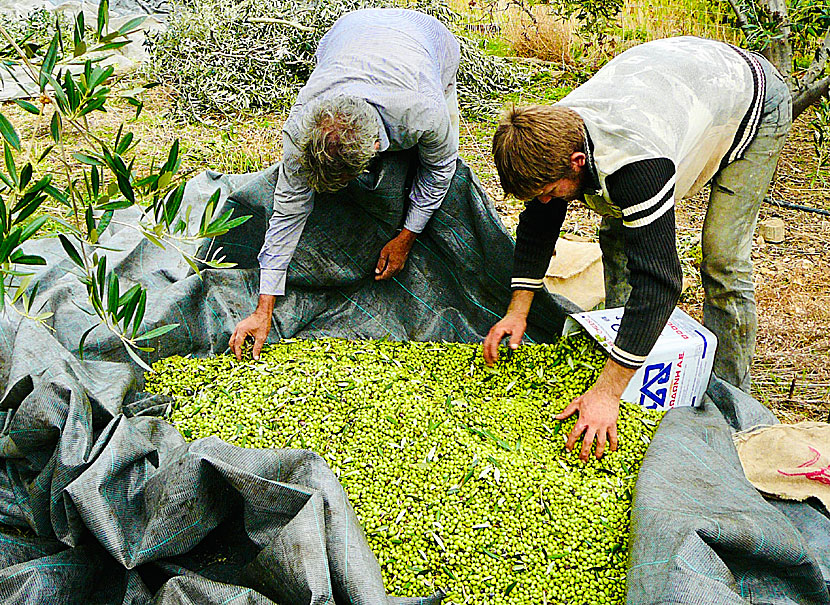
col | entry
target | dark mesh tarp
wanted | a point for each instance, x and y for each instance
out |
(702, 534)
(103, 502)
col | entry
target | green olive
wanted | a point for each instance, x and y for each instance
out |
(457, 471)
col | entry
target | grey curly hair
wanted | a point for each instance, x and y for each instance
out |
(340, 144)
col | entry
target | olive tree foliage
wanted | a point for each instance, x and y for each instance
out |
(88, 182)
(795, 36)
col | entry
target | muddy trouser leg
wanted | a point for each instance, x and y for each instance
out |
(614, 262)
(726, 271)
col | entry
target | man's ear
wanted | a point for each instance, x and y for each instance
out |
(377, 145)
(578, 159)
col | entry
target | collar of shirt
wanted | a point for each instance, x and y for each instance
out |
(593, 181)
(383, 136)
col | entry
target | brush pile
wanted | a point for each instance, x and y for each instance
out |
(224, 57)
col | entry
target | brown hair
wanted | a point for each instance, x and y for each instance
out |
(532, 147)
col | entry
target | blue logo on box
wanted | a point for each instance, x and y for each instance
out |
(655, 386)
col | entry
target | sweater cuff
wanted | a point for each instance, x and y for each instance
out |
(527, 283)
(627, 360)
(417, 219)
(272, 281)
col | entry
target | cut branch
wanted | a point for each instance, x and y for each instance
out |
(303, 28)
(743, 22)
(810, 95)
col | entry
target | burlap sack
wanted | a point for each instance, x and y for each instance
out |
(575, 272)
(790, 461)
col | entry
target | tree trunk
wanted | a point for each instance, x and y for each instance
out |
(780, 52)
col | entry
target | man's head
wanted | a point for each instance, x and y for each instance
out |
(539, 152)
(342, 140)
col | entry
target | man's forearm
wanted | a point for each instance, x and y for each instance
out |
(613, 379)
(265, 304)
(428, 193)
(293, 203)
(520, 303)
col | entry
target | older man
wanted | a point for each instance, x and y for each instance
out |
(384, 80)
(652, 126)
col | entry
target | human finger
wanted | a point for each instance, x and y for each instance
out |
(587, 442)
(601, 440)
(577, 431)
(491, 344)
(612, 438)
(235, 344)
(568, 411)
(383, 260)
(258, 342)
(516, 338)
(392, 269)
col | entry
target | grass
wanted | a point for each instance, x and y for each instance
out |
(525, 29)
(643, 20)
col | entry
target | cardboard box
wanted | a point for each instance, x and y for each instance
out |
(677, 371)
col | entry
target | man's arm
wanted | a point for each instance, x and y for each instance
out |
(293, 202)
(645, 193)
(437, 153)
(536, 235)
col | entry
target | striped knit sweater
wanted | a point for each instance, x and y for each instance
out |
(661, 119)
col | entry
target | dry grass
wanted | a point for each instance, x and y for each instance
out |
(536, 32)
(643, 20)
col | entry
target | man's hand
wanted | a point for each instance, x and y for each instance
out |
(513, 323)
(394, 255)
(258, 325)
(598, 415)
(598, 410)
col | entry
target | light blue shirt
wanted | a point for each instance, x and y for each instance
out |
(403, 63)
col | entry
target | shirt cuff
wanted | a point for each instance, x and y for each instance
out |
(272, 282)
(417, 219)
(526, 283)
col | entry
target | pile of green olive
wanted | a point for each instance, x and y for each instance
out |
(457, 471)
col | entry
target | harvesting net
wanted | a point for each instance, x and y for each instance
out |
(101, 501)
